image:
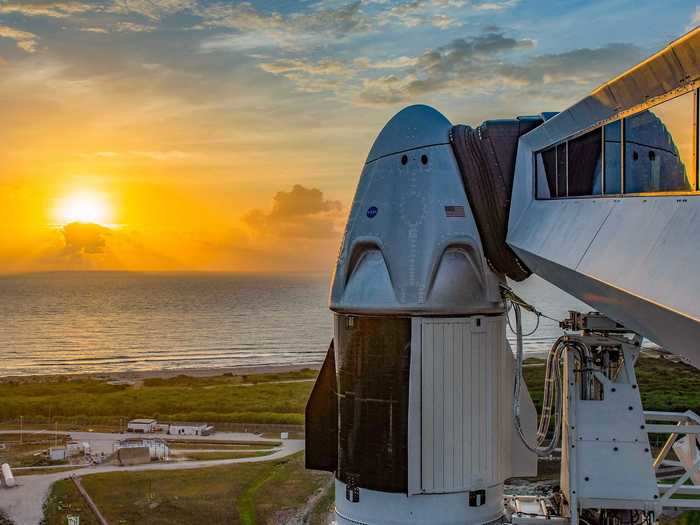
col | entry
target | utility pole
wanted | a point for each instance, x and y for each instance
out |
(20, 430)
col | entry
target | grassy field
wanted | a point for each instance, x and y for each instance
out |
(263, 398)
(663, 385)
(253, 493)
(92, 403)
(25, 451)
(214, 455)
(198, 445)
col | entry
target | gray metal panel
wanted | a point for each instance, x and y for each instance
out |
(673, 330)
(412, 127)
(651, 247)
(561, 230)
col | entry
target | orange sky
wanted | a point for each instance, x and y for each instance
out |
(229, 136)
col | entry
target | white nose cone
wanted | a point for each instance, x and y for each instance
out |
(411, 244)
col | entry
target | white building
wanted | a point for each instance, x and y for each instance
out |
(190, 429)
(141, 426)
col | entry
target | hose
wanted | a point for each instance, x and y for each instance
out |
(552, 392)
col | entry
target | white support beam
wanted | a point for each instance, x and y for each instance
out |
(670, 429)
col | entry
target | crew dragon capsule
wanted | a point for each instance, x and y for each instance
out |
(412, 409)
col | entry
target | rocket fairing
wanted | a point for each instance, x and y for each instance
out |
(412, 409)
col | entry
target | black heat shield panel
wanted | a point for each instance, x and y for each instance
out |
(373, 362)
(486, 158)
(322, 418)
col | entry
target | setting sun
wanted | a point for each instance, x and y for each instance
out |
(85, 207)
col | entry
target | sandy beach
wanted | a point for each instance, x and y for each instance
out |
(139, 375)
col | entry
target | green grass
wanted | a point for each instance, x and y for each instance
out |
(91, 403)
(324, 506)
(663, 385)
(250, 493)
(687, 518)
(215, 455)
(175, 445)
(64, 500)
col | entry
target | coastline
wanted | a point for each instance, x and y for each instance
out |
(130, 376)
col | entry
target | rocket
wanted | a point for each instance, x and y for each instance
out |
(412, 409)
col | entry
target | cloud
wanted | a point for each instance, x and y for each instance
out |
(153, 9)
(445, 22)
(132, 27)
(49, 9)
(436, 69)
(259, 30)
(311, 77)
(84, 239)
(476, 64)
(302, 213)
(495, 6)
(579, 66)
(24, 40)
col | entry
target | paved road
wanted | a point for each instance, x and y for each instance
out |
(103, 442)
(24, 503)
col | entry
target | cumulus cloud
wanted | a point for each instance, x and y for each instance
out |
(84, 239)
(25, 40)
(302, 213)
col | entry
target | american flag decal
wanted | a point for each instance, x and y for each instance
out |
(454, 211)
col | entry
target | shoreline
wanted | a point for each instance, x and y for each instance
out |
(132, 376)
(165, 373)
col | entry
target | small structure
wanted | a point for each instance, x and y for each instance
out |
(157, 448)
(190, 429)
(284, 435)
(74, 448)
(57, 454)
(141, 426)
(131, 456)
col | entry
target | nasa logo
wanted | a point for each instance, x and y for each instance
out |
(372, 212)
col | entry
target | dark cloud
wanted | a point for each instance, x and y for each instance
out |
(84, 239)
(479, 63)
(579, 65)
(300, 213)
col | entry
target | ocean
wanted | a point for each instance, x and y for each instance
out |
(94, 322)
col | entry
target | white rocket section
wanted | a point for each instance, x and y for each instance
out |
(465, 441)
(412, 249)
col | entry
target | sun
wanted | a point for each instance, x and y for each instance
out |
(84, 206)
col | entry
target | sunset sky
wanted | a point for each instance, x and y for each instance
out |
(198, 135)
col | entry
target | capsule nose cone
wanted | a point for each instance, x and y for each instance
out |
(412, 127)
